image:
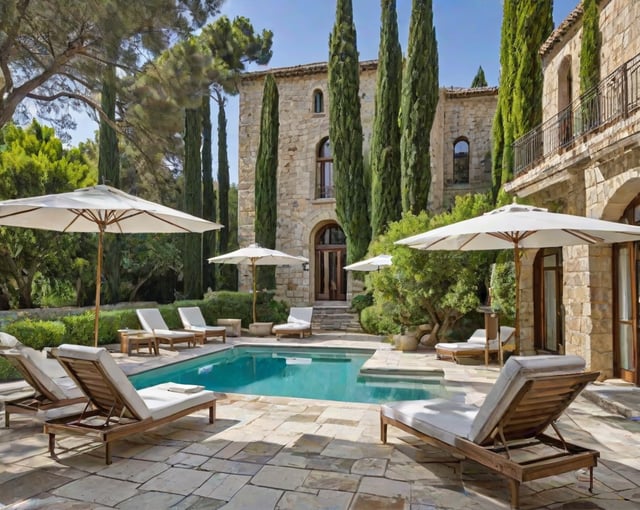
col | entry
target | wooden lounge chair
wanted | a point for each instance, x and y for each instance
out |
(477, 346)
(506, 434)
(298, 323)
(192, 320)
(151, 320)
(50, 390)
(116, 409)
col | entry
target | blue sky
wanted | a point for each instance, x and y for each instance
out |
(468, 34)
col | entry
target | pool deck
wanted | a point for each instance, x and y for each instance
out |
(286, 453)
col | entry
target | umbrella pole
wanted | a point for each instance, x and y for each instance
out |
(98, 282)
(253, 270)
(516, 256)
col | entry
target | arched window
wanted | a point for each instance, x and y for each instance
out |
(565, 98)
(461, 161)
(318, 101)
(324, 170)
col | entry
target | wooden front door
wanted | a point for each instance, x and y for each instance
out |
(626, 332)
(330, 259)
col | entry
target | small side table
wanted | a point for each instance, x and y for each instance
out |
(130, 338)
(233, 326)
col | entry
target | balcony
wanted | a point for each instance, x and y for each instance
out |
(613, 99)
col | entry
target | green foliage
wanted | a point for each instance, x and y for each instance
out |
(38, 334)
(266, 180)
(209, 207)
(590, 46)
(34, 162)
(386, 203)
(418, 107)
(435, 287)
(192, 253)
(345, 133)
(479, 79)
(362, 301)
(375, 321)
(503, 287)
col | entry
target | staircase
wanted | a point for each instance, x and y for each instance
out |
(334, 316)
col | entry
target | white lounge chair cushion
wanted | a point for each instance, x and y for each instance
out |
(169, 333)
(299, 319)
(442, 419)
(47, 373)
(207, 328)
(8, 341)
(162, 402)
(154, 402)
(191, 316)
(513, 375)
(292, 326)
(112, 371)
(478, 340)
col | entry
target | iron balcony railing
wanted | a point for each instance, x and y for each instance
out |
(614, 98)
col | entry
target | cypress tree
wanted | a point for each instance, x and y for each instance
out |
(228, 274)
(192, 255)
(502, 156)
(479, 79)
(386, 204)
(418, 107)
(266, 176)
(208, 196)
(534, 25)
(109, 173)
(345, 133)
(590, 63)
(590, 49)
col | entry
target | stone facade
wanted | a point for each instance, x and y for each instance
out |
(461, 113)
(596, 175)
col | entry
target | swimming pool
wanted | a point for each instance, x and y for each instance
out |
(318, 373)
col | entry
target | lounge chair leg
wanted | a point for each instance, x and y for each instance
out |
(6, 418)
(52, 445)
(212, 413)
(107, 453)
(514, 487)
(383, 431)
(591, 479)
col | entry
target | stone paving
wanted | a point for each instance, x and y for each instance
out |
(266, 453)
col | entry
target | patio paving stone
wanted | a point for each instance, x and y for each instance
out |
(279, 477)
(274, 452)
(98, 489)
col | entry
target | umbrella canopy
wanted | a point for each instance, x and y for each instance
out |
(371, 264)
(99, 209)
(518, 226)
(256, 255)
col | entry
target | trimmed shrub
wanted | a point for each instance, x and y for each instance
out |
(362, 301)
(38, 334)
(377, 323)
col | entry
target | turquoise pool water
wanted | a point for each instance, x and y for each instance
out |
(318, 373)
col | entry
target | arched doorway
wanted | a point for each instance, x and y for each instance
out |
(549, 334)
(330, 258)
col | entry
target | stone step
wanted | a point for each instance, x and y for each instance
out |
(335, 318)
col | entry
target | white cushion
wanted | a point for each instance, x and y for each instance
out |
(162, 402)
(168, 333)
(112, 371)
(8, 341)
(513, 375)
(291, 326)
(442, 419)
(191, 316)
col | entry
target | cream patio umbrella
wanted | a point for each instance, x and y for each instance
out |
(518, 226)
(256, 255)
(100, 209)
(370, 264)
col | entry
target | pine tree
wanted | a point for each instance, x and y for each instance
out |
(386, 204)
(345, 133)
(266, 176)
(479, 79)
(208, 196)
(418, 107)
(192, 255)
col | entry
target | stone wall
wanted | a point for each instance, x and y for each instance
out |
(461, 112)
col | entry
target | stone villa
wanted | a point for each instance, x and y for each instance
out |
(585, 159)
(307, 222)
